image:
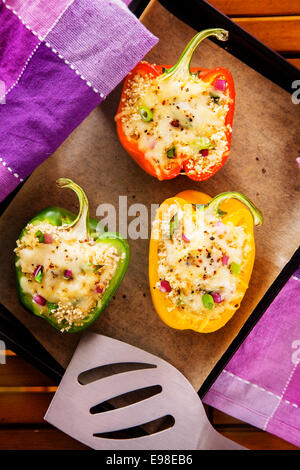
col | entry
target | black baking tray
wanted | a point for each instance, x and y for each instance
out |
(199, 15)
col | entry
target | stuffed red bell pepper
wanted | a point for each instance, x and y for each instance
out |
(178, 119)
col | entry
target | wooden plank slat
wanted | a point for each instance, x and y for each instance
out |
(247, 435)
(8, 352)
(280, 33)
(295, 62)
(256, 440)
(257, 7)
(17, 372)
(46, 438)
(219, 418)
(24, 408)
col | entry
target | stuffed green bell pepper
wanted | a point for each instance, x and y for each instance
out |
(66, 271)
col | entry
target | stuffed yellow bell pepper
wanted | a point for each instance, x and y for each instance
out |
(201, 258)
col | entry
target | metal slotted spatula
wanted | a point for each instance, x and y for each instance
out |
(114, 396)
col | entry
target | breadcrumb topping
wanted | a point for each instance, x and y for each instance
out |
(71, 275)
(201, 255)
(183, 111)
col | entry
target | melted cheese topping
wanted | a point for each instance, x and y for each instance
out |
(183, 109)
(91, 265)
(197, 259)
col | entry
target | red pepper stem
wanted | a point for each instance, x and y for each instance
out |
(80, 226)
(217, 200)
(183, 65)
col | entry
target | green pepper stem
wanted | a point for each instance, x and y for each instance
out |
(217, 200)
(183, 64)
(80, 226)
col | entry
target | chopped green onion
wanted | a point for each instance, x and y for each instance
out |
(221, 213)
(40, 236)
(174, 223)
(199, 207)
(39, 274)
(203, 143)
(235, 268)
(180, 302)
(208, 301)
(145, 113)
(171, 152)
(214, 97)
(51, 306)
(97, 267)
(86, 267)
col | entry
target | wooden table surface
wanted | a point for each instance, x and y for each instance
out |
(25, 393)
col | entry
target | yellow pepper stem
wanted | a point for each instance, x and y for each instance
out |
(217, 200)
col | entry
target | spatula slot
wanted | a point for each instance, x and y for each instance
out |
(146, 429)
(91, 375)
(126, 399)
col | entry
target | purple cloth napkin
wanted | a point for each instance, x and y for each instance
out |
(261, 383)
(58, 60)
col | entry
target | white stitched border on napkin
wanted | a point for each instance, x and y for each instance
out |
(10, 170)
(22, 71)
(279, 397)
(22, 21)
(42, 39)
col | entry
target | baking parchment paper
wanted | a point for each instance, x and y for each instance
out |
(262, 165)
